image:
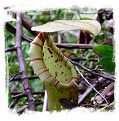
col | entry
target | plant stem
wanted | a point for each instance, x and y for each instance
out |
(25, 81)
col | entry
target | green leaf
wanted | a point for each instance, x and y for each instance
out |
(86, 18)
(39, 108)
(10, 99)
(90, 96)
(104, 50)
(107, 64)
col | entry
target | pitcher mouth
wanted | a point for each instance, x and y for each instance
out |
(39, 47)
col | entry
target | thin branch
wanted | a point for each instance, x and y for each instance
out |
(10, 49)
(88, 91)
(98, 99)
(28, 39)
(83, 59)
(74, 46)
(13, 103)
(92, 72)
(23, 94)
(11, 29)
(21, 110)
(31, 100)
(20, 95)
(12, 78)
(28, 27)
(19, 78)
(91, 85)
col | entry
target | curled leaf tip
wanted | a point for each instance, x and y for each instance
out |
(91, 26)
